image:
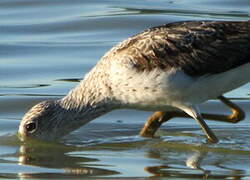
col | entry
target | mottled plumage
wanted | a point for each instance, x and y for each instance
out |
(196, 47)
(174, 66)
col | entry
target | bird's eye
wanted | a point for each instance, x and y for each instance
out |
(30, 127)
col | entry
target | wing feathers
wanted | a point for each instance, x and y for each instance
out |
(196, 47)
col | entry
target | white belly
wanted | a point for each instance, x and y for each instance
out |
(212, 86)
(160, 90)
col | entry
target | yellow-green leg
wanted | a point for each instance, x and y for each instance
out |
(159, 117)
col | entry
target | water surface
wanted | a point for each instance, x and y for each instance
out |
(47, 46)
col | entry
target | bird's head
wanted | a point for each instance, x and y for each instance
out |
(41, 122)
(51, 120)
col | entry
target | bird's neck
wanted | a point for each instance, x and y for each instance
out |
(91, 98)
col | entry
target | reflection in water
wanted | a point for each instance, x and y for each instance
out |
(194, 161)
(57, 157)
(198, 164)
(130, 154)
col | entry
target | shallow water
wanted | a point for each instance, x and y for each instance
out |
(46, 46)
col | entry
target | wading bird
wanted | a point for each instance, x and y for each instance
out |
(170, 69)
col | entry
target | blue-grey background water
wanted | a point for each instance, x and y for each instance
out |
(47, 45)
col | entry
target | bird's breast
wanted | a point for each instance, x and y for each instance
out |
(148, 90)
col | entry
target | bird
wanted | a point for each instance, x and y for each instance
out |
(169, 69)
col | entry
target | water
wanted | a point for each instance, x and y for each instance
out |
(47, 46)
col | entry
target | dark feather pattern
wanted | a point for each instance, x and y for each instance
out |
(196, 47)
